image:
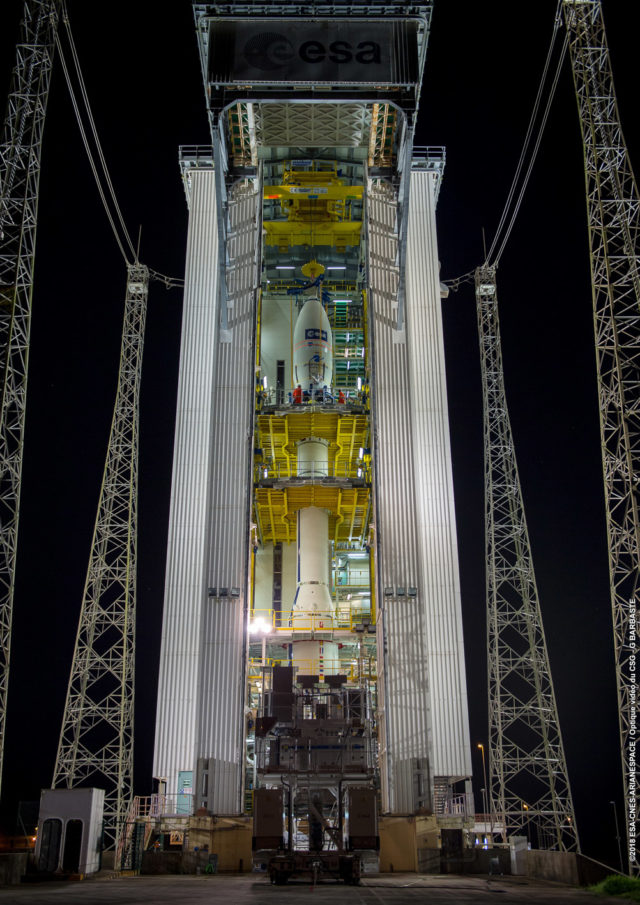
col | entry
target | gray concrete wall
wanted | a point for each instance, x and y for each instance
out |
(12, 868)
(484, 862)
(562, 867)
(559, 866)
(566, 867)
(428, 860)
(180, 862)
(471, 861)
(170, 862)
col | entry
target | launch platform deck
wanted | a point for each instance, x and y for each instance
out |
(396, 889)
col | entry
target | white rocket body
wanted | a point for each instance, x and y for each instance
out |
(312, 347)
(313, 600)
(313, 609)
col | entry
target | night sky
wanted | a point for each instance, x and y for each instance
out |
(142, 73)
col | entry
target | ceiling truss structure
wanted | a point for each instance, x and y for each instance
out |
(370, 128)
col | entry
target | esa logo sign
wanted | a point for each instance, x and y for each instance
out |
(314, 333)
(271, 51)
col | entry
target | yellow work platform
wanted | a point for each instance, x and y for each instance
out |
(287, 233)
(357, 671)
(315, 192)
(346, 434)
(291, 196)
(276, 511)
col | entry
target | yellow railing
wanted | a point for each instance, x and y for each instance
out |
(266, 622)
(356, 670)
(351, 578)
(312, 471)
(286, 398)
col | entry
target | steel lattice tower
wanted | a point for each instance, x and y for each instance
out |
(528, 774)
(96, 740)
(613, 210)
(20, 153)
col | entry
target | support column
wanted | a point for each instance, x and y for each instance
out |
(185, 583)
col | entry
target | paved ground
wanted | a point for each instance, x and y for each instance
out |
(249, 889)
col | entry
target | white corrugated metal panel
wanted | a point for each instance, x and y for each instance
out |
(403, 671)
(434, 487)
(221, 710)
(185, 583)
(221, 703)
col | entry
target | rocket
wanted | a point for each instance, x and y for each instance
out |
(312, 339)
(313, 608)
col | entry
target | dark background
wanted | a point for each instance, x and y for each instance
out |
(142, 73)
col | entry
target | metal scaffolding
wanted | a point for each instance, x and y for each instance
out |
(96, 740)
(528, 785)
(20, 153)
(613, 210)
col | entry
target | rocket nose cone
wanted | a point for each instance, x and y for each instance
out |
(312, 315)
(313, 346)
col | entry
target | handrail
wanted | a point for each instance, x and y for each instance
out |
(355, 670)
(265, 621)
(312, 471)
(286, 397)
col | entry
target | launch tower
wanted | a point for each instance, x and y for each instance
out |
(312, 638)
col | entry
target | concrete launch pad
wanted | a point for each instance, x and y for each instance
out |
(399, 889)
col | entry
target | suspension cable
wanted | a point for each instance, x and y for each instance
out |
(503, 233)
(90, 157)
(169, 282)
(87, 107)
(532, 121)
(534, 154)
